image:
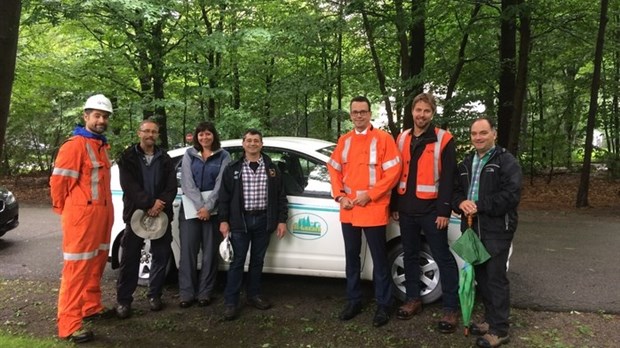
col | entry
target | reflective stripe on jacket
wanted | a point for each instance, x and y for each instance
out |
(365, 163)
(81, 174)
(427, 181)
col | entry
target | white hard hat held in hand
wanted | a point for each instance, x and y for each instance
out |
(98, 102)
(226, 250)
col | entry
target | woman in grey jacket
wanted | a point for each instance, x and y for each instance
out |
(201, 174)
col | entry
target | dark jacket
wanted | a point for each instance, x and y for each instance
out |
(498, 196)
(231, 196)
(134, 194)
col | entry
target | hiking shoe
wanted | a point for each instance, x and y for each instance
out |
(80, 336)
(479, 329)
(491, 340)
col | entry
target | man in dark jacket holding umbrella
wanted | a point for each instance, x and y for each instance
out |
(488, 185)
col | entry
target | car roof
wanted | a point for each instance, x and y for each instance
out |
(299, 144)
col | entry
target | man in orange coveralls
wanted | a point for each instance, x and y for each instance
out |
(363, 169)
(80, 191)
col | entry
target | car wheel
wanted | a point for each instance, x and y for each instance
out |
(430, 287)
(145, 262)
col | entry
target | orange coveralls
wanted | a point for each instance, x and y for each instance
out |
(80, 192)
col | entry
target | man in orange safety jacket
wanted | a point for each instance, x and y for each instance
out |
(363, 169)
(422, 202)
(80, 192)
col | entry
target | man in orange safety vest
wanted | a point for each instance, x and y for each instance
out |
(80, 192)
(422, 202)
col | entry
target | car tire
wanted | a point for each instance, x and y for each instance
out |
(145, 263)
(430, 287)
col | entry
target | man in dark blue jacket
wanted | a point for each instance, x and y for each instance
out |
(252, 205)
(148, 178)
(488, 186)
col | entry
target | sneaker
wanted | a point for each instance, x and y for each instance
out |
(123, 312)
(447, 324)
(491, 341)
(155, 304)
(80, 336)
(479, 329)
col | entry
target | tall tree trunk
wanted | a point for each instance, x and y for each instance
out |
(417, 48)
(521, 82)
(507, 53)
(159, 79)
(615, 104)
(341, 6)
(584, 182)
(270, 68)
(10, 12)
(379, 71)
(402, 29)
(460, 63)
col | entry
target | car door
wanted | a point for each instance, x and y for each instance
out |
(313, 244)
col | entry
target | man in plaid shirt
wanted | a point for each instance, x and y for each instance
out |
(252, 205)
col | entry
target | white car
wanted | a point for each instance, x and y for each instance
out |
(314, 244)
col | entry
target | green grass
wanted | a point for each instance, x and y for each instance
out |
(10, 341)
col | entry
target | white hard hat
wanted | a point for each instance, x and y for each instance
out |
(226, 250)
(98, 102)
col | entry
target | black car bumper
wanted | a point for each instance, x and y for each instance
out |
(9, 218)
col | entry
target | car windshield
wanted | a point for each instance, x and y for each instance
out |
(327, 151)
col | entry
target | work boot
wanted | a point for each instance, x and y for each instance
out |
(409, 309)
(123, 312)
(447, 324)
(80, 336)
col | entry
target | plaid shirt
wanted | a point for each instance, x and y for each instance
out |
(254, 185)
(476, 168)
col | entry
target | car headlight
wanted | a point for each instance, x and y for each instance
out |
(9, 198)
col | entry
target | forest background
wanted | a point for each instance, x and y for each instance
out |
(547, 71)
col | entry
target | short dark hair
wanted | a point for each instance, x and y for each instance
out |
(253, 131)
(428, 98)
(148, 120)
(360, 98)
(206, 126)
(485, 118)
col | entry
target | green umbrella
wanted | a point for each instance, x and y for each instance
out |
(472, 251)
